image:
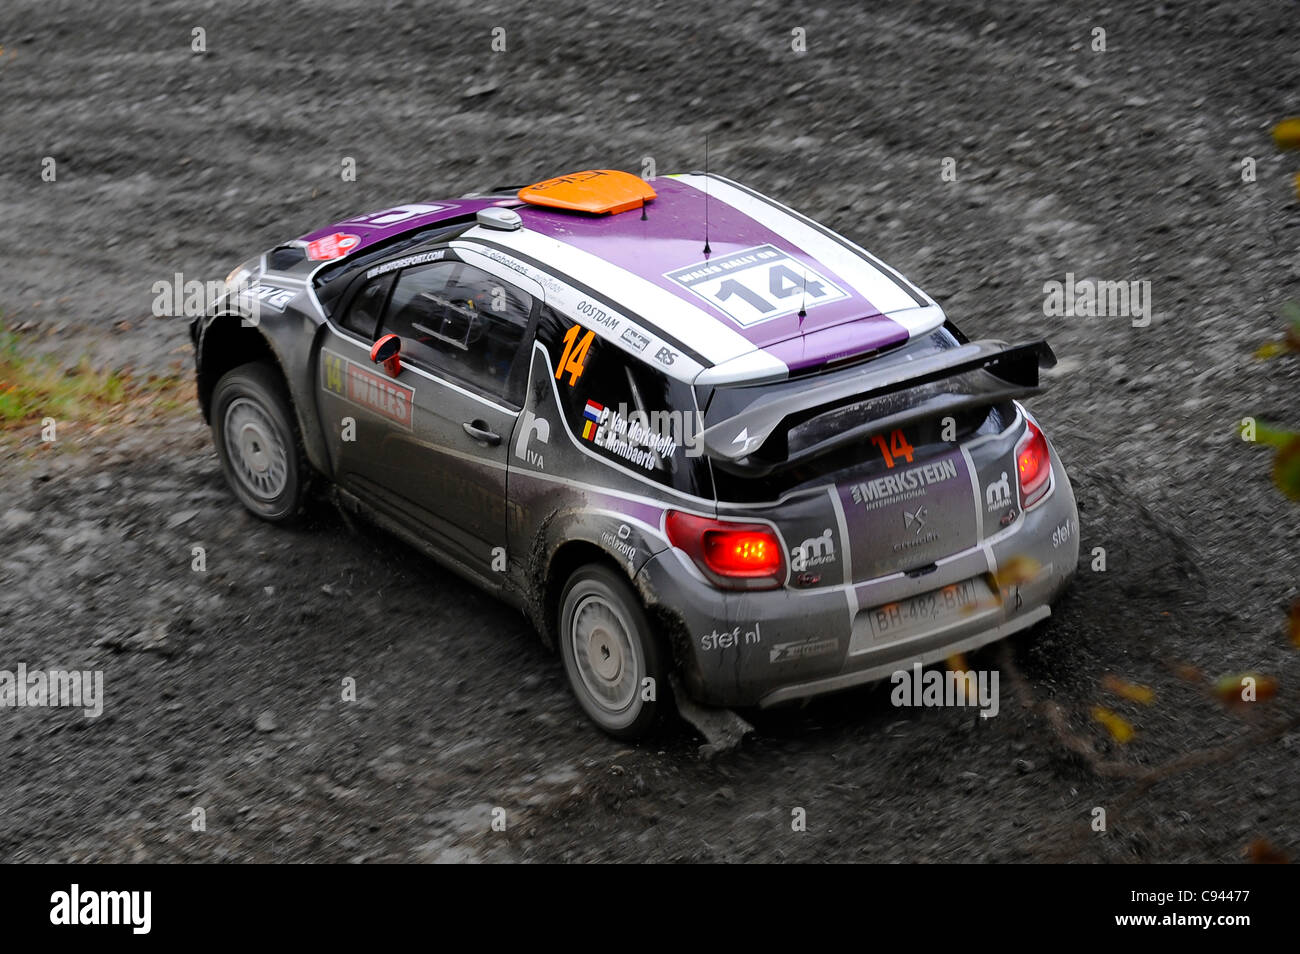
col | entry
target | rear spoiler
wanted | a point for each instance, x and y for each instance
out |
(972, 374)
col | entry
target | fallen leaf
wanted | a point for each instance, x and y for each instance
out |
(1266, 433)
(1131, 691)
(1261, 852)
(1016, 571)
(1286, 469)
(1189, 673)
(1119, 728)
(1231, 689)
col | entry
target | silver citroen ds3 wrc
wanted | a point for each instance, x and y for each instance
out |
(758, 458)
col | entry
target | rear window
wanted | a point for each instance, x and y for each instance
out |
(769, 477)
(726, 402)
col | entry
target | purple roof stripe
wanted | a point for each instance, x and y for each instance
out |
(393, 222)
(839, 341)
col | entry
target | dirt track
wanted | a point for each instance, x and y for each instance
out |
(223, 686)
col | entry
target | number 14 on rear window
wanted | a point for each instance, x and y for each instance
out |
(893, 449)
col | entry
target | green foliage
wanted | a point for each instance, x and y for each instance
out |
(33, 387)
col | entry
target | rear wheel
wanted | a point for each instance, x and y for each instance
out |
(257, 440)
(610, 654)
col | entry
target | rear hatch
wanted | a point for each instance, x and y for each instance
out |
(882, 467)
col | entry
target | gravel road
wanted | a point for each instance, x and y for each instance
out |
(223, 687)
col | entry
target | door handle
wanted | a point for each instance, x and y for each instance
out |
(478, 430)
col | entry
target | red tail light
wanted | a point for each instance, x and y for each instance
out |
(1034, 465)
(738, 556)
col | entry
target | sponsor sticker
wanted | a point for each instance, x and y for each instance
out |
(332, 246)
(593, 312)
(813, 552)
(627, 437)
(917, 536)
(387, 218)
(357, 384)
(532, 428)
(997, 495)
(793, 652)
(273, 296)
(906, 484)
(403, 262)
(732, 638)
(507, 261)
(635, 339)
(911, 516)
(618, 542)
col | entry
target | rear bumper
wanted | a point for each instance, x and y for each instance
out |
(774, 646)
(941, 647)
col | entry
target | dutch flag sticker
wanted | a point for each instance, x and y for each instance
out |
(592, 414)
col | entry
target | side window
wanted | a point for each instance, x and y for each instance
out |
(366, 307)
(458, 319)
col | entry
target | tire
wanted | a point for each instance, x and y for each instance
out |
(256, 436)
(609, 649)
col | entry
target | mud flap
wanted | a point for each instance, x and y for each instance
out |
(722, 728)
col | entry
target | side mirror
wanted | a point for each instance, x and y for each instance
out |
(387, 351)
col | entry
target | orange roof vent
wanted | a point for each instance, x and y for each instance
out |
(597, 191)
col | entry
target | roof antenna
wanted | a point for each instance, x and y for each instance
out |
(803, 303)
(707, 251)
(644, 217)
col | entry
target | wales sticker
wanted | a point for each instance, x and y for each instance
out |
(757, 284)
(357, 384)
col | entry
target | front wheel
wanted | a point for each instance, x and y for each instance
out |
(610, 654)
(257, 440)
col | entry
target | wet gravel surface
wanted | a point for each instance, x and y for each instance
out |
(224, 687)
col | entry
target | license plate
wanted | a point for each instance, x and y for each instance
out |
(918, 612)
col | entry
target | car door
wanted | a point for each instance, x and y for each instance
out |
(355, 420)
(435, 438)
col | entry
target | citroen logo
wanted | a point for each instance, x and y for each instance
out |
(917, 518)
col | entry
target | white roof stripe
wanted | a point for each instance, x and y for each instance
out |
(870, 282)
(919, 321)
(568, 301)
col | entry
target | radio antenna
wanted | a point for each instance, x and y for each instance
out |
(707, 251)
(803, 302)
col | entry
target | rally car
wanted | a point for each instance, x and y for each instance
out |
(683, 428)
